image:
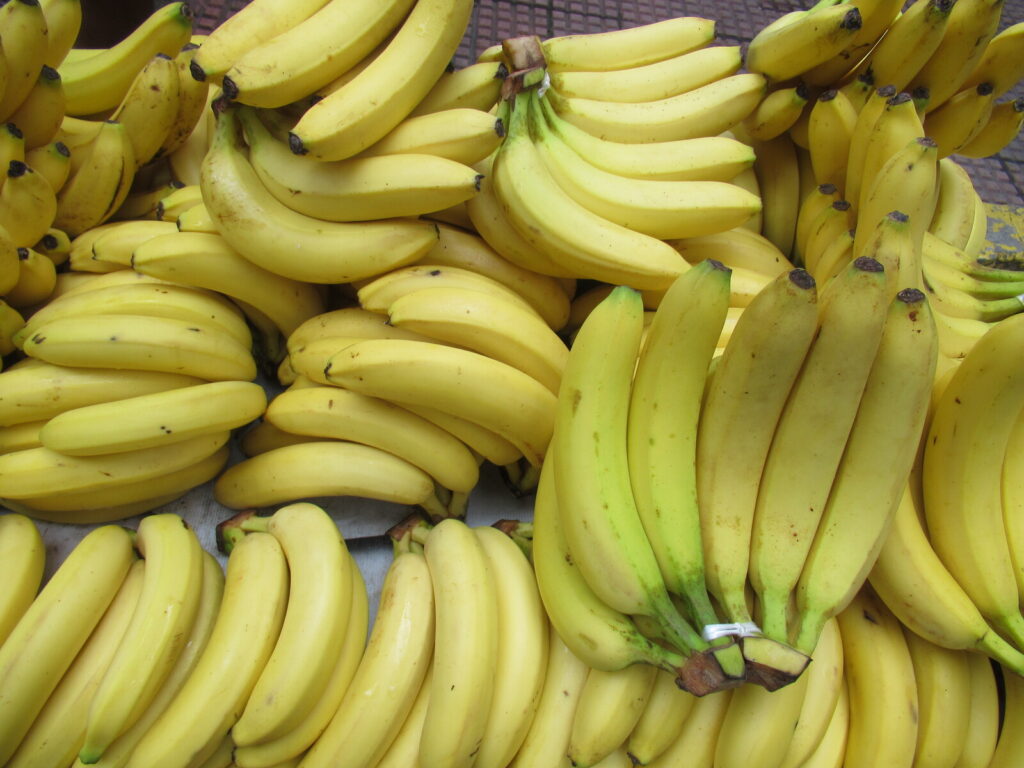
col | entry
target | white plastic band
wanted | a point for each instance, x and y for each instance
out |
(1020, 298)
(739, 629)
(545, 84)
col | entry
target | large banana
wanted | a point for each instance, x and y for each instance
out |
(880, 679)
(943, 679)
(44, 643)
(24, 34)
(291, 244)
(241, 641)
(897, 125)
(960, 119)
(811, 435)
(609, 707)
(476, 86)
(909, 42)
(356, 189)
(140, 342)
(787, 49)
(150, 107)
(455, 381)
(295, 62)
(381, 96)
(24, 557)
(63, 22)
(961, 476)
(874, 468)
(664, 409)
(705, 111)
(57, 732)
(100, 183)
(332, 412)
(27, 204)
(156, 634)
(98, 83)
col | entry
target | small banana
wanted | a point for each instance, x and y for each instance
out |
(42, 110)
(21, 546)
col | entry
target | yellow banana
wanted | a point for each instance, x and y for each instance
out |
(36, 280)
(27, 204)
(983, 721)
(963, 115)
(52, 161)
(63, 22)
(40, 114)
(24, 555)
(943, 680)
(909, 42)
(1003, 126)
(609, 707)
(476, 86)
(786, 50)
(462, 134)
(191, 102)
(149, 108)
(24, 34)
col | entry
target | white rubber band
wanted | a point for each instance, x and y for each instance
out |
(1020, 298)
(546, 83)
(739, 629)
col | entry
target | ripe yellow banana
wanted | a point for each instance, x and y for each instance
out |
(24, 34)
(21, 546)
(960, 119)
(786, 50)
(37, 278)
(609, 707)
(476, 86)
(461, 134)
(1000, 64)
(983, 721)
(191, 102)
(909, 42)
(695, 743)
(943, 679)
(63, 22)
(149, 108)
(52, 161)
(27, 204)
(666, 710)
(40, 114)
(1003, 126)
(778, 181)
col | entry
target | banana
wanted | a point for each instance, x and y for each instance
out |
(798, 470)
(56, 625)
(609, 707)
(348, 322)
(918, 588)
(142, 203)
(661, 435)
(381, 96)
(963, 115)
(36, 280)
(63, 22)
(1013, 498)
(737, 249)
(630, 47)
(99, 83)
(1003, 126)
(27, 204)
(149, 108)
(831, 750)
(156, 419)
(11, 323)
(455, 381)
(874, 468)
(40, 391)
(331, 412)
(40, 114)
(460, 134)
(269, 233)
(51, 161)
(708, 158)
(970, 27)
(241, 641)
(523, 636)
(650, 82)
(992, 587)
(666, 710)
(953, 219)
(390, 673)
(155, 636)
(834, 258)
(661, 209)
(140, 342)
(1000, 63)
(547, 740)
(100, 183)
(778, 180)
(24, 34)
(485, 324)
(197, 218)
(475, 86)
(206, 261)
(943, 680)
(465, 250)
(705, 111)
(295, 62)
(748, 389)
(602, 525)
(787, 50)
(12, 144)
(830, 127)
(191, 102)
(480, 440)
(876, 17)
(24, 556)
(880, 679)
(58, 730)
(322, 468)
(909, 43)
(568, 233)
(983, 720)
(186, 160)
(897, 125)
(356, 189)
(264, 436)
(56, 246)
(696, 741)
(867, 116)
(293, 744)
(310, 360)
(824, 691)
(1009, 748)
(117, 245)
(777, 113)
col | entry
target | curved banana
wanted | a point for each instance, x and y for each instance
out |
(874, 468)
(321, 468)
(381, 96)
(37, 278)
(786, 50)
(609, 707)
(708, 158)
(630, 47)
(475, 86)
(666, 710)
(1010, 746)
(58, 730)
(115, 246)
(898, 125)
(98, 83)
(481, 441)
(42, 110)
(963, 115)
(831, 750)
(777, 113)
(1003, 126)
(356, 189)
(24, 556)
(811, 435)
(45, 641)
(241, 641)
(705, 111)
(696, 740)
(347, 322)
(270, 234)
(140, 342)
(876, 17)
(953, 219)
(63, 22)
(405, 746)
(1000, 63)
(461, 134)
(778, 182)
(42, 390)
(25, 48)
(291, 746)
(983, 720)
(197, 218)
(880, 679)
(191, 103)
(150, 106)
(909, 43)
(10, 263)
(830, 127)
(455, 381)
(52, 161)
(943, 679)
(295, 62)
(28, 204)
(523, 636)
